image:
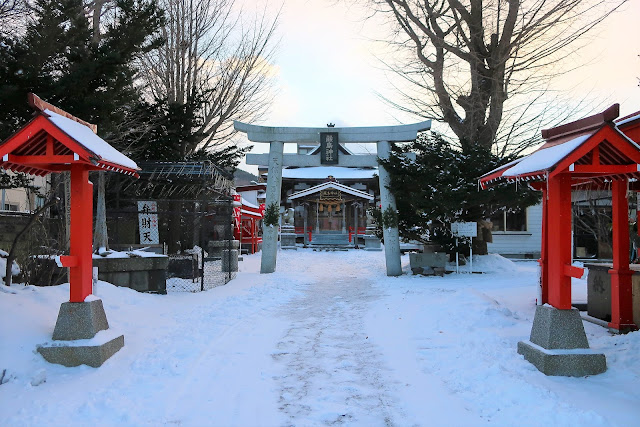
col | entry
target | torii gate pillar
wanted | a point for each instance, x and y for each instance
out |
(388, 201)
(274, 186)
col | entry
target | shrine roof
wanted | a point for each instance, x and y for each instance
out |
(543, 159)
(51, 142)
(570, 147)
(89, 140)
(248, 204)
(321, 172)
(334, 185)
(628, 119)
(251, 213)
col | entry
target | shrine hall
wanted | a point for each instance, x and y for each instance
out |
(329, 203)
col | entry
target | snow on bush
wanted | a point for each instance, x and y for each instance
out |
(15, 268)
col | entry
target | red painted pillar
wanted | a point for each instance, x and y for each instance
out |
(621, 298)
(544, 256)
(558, 232)
(80, 272)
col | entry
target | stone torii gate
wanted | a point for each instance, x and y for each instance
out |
(328, 138)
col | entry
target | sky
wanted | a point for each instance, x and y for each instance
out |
(328, 71)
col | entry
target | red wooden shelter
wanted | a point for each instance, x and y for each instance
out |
(597, 152)
(247, 217)
(55, 141)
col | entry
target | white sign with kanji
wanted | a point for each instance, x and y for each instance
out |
(148, 222)
(464, 229)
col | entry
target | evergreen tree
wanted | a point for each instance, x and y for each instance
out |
(61, 59)
(441, 187)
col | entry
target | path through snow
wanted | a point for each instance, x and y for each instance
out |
(326, 340)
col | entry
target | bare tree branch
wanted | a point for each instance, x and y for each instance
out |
(484, 67)
(210, 51)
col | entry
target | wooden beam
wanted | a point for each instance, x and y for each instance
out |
(604, 169)
(41, 160)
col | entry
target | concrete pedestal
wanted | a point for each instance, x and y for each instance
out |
(288, 241)
(269, 249)
(75, 342)
(215, 247)
(372, 243)
(230, 260)
(558, 345)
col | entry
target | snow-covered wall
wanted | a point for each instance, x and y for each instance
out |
(521, 244)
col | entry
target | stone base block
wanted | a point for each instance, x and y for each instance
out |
(372, 243)
(558, 344)
(288, 241)
(230, 260)
(80, 320)
(68, 354)
(568, 363)
(81, 336)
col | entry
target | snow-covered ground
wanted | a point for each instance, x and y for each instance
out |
(327, 339)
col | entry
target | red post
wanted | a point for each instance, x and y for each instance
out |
(80, 275)
(621, 298)
(544, 265)
(558, 232)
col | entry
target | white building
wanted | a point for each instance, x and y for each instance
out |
(23, 199)
(518, 235)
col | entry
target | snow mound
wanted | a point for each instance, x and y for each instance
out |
(491, 263)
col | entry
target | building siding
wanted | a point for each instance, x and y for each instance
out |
(521, 244)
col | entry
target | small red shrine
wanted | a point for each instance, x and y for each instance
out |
(55, 141)
(247, 217)
(597, 152)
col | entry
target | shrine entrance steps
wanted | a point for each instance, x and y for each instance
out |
(333, 241)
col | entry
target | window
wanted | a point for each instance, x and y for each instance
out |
(509, 221)
(10, 207)
(39, 202)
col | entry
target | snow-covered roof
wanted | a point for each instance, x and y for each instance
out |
(248, 204)
(629, 119)
(545, 158)
(92, 142)
(331, 184)
(322, 172)
(250, 213)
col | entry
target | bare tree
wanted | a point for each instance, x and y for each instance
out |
(212, 53)
(484, 67)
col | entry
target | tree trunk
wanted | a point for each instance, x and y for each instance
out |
(175, 227)
(100, 236)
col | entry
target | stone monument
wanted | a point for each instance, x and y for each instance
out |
(287, 230)
(371, 241)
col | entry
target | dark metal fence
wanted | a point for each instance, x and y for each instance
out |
(197, 235)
